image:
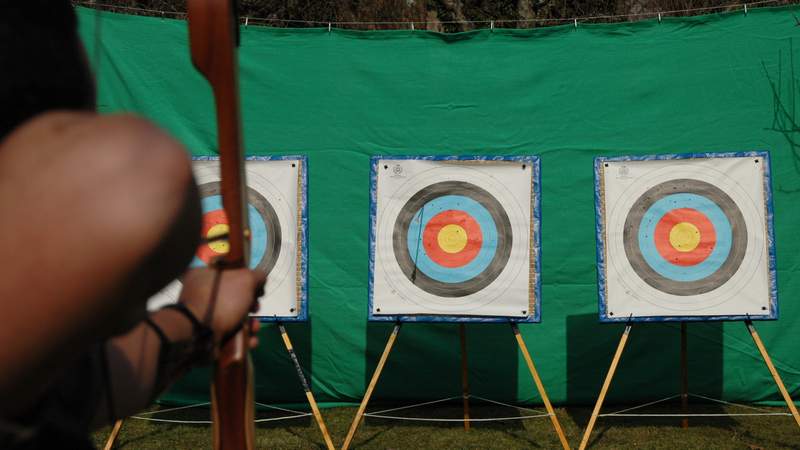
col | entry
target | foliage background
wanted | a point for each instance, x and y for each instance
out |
(446, 15)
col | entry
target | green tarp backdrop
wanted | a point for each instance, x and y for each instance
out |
(700, 84)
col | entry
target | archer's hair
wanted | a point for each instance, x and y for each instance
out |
(43, 63)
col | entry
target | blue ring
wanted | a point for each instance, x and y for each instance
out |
(722, 228)
(436, 271)
(258, 230)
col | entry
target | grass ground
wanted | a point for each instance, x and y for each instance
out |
(737, 432)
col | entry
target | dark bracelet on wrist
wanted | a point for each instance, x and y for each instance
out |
(202, 335)
(175, 358)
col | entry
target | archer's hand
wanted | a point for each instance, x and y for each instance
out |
(221, 299)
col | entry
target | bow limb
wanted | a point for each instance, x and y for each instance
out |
(213, 36)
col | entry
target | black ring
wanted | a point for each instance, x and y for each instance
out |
(464, 288)
(268, 215)
(685, 288)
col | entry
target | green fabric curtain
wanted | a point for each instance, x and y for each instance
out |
(700, 84)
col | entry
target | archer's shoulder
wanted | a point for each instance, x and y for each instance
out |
(111, 141)
(78, 130)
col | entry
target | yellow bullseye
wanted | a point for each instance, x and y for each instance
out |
(452, 238)
(221, 246)
(684, 237)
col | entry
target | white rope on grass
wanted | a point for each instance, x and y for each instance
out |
(272, 419)
(641, 406)
(413, 406)
(381, 414)
(174, 409)
(141, 416)
(728, 403)
(695, 415)
(429, 419)
(506, 404)
(187, 422)
(765, 412)
(281, 409)
(454, 398)
(208, 422)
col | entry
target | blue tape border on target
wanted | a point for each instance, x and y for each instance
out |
(302, 314)
(600, 239)
(536, 317)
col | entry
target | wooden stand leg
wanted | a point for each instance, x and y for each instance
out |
(539, 386)
(113, 436)
(606, 384)
(464, 375)
(684, 377)
(371, 387)
(309, 395)
(771, 367)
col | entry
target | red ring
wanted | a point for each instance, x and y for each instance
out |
(708, 237)
(431, 242)
(210, 219)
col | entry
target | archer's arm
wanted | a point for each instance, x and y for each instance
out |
(85, 200)
(138, 370)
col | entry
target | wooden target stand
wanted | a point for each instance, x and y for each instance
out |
(303, 381)
(464, 383)
(684, 395)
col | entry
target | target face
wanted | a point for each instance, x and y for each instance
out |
(685, 237)
(265, 228)
(276, 204)
(453, 239)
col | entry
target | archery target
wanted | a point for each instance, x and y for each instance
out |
(276, 201)
(685, 237)
(265, 228)
(453, 238)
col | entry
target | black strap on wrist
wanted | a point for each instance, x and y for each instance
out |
(175, 358)
(165, 352)
(199, 329)
(157, 330)
(202, 335)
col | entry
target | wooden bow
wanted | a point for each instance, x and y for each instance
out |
(213, 38)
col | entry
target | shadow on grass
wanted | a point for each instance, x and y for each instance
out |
(513, 427)
(612, 433)
(425, 364)
(372, 435)
(649, 370)
(130, 442)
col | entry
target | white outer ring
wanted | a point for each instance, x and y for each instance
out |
(208, 172)
(620, 270)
